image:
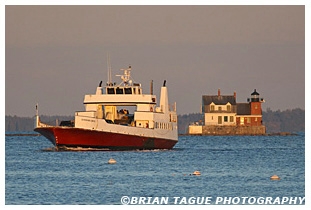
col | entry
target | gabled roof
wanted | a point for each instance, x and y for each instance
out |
(243, 109)
(218, 100)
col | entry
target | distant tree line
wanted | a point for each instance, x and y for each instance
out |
(15, 123)
(291, 120)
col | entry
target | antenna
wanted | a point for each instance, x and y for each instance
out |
(109, 70)
(37, 111)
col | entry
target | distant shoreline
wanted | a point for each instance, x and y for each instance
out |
(267, 134)
(275, 121)
(22, 134)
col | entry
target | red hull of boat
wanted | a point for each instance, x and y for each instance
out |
(75, 137)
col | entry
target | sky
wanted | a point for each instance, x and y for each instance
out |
(54, 55)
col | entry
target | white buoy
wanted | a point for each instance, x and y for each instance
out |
(112, 161)
(196, 173)
(275, 177)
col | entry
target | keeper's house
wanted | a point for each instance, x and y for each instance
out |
(223, 116)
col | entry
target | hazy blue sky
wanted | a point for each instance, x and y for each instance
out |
(54, 55)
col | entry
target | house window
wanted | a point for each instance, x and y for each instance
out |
(219, 108)
(231, 118)
(212, 108)
(228, 108)
(225, 118)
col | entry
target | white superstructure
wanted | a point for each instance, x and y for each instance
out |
(109, 110)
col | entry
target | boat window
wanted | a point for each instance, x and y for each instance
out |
(110, 90)
(134, 90)
(128, 90)
(119, 91)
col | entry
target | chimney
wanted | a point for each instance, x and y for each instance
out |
(218, 92)
(234, 94)
(151, 87)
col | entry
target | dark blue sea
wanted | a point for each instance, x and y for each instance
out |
(230, 166)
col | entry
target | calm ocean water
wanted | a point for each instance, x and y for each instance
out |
(237, 166)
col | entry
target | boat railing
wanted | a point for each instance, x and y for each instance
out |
(40, 124)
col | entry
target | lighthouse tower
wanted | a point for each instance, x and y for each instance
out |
(255, 105)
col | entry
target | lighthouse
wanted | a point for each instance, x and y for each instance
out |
(255, 103)
(224, 116)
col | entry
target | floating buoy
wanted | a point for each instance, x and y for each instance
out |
(275, 177)
(196, 173)
(112, 161)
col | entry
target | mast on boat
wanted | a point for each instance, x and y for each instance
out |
(109, 82)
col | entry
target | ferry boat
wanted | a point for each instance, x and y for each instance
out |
(107, 122)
